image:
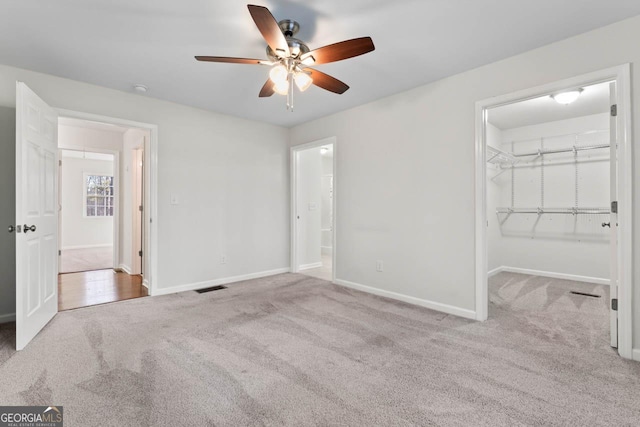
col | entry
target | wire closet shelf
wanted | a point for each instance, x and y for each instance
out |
(507, 160)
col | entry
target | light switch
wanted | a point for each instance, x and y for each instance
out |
(174, 199)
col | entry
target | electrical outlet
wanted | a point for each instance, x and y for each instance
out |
(379, 266)
(223, 259)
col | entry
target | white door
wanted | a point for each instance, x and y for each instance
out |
(613, 220)
(36, 214)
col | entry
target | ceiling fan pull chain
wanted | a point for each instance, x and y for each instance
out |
(291, 91)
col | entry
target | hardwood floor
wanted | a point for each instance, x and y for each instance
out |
(97, 287)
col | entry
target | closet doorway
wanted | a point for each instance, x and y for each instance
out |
(553, 194)
(313, 248)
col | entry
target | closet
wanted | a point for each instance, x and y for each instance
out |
(548, 189)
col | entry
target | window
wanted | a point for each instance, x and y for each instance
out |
(99, 196)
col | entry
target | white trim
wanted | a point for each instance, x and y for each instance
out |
(326, 250)
(6, 318)
(216, 282)
(310, 266)
(145, 283)
(151, 188)
(636, 354)
(66, 248)
(332, 140)
(125, 268)
(622, 76)
(445, 308)
(495, 271)
(551, 274)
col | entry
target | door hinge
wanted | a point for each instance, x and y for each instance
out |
(139, 253)
(59, 162)
(614, 110)
(614, 304)
(59, 252)
(140, 208)
(614, 207)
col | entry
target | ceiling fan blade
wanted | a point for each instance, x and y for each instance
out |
(325, 81)
(267, 89)
(338, 51)
(229, 60)
(270, 30)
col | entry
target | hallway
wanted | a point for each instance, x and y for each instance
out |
(77, 290)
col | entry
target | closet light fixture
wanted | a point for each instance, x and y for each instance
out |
(140, 88)
(567, 97)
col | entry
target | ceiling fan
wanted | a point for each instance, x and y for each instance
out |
(290, 58)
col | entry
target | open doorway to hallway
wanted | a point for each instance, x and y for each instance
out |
(101, 192)
(315, 210)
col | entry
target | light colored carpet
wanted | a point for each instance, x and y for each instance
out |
(86, 259)
(294, 350)
(324, 272)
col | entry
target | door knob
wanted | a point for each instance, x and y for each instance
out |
(26, 228)
(11, 229)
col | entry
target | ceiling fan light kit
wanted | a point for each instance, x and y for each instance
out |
(290, 58)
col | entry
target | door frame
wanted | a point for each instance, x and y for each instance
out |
(116, 203)
(150, 191)
(294, 200)
(622, 76)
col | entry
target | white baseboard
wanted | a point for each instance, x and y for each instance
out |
(145, 283)
(66, 248)
(635, 354)
(495, 271)
(310, 266)
(564, 276)
(125, 268)
(6, 318)
(216, 282)
(445, 308)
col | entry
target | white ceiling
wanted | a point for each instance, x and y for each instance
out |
(593, 100)
(118, 43)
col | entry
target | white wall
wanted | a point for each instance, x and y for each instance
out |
(309, 207)
(73, 137)
(230, 174)
(7, 213)
(406, 170)
(78, 230)
(560, 244)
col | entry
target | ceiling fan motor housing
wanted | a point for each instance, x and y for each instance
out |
(297, 47)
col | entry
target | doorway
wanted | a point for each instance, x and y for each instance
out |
(553, 200)
(37, 208)
(101, 186)
(313, 209)
(87, 195)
